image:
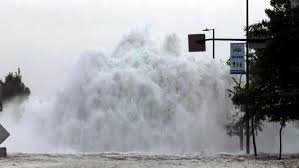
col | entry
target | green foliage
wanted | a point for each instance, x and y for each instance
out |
(233, 128)
(274, 71)
(236, 124)
(13, 87)
(273, 93)
(277, 66)
(240, 96)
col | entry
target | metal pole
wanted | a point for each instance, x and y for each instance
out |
(212, 39)
(213, 43)
(247, 79)
(237, 39)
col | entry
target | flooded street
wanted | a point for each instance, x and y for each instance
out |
(143, 161)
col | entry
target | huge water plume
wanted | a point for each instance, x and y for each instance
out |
(141, 97)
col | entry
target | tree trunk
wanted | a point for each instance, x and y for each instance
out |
(280, 139)
(253, 136)
(247, 136)
(241, 137)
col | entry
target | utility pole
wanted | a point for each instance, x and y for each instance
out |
(247, 79)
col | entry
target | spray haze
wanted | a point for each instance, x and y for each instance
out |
(143, 97)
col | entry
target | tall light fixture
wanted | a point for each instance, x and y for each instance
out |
(213, 40)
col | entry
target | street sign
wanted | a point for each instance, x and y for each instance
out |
(237, 58)
(3, 134)
(1, 106)
(197, 42)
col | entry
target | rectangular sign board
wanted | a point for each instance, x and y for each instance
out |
(3, 134)
(197, 42)
(237, 58)
(1, 106)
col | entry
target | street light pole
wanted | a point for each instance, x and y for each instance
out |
(247, 78)
(213, 40)
(247, 111)
(213, 43)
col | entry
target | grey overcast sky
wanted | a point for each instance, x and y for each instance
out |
(45, 37)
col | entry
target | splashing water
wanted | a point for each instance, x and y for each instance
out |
(143, 97)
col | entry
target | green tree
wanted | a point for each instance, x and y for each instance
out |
(242, 96)
(13, 86)
(274, 71)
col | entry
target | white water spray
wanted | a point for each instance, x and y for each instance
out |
(144, 97)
